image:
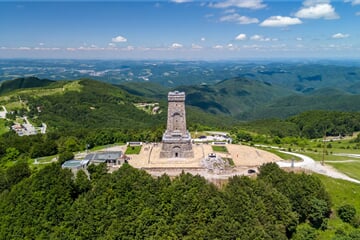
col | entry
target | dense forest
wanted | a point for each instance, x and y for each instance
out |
(130, 204)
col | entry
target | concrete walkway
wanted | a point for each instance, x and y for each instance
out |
(311, 164)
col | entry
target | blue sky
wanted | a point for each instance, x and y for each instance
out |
(191, 30)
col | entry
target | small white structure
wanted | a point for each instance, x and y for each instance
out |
(3, 112)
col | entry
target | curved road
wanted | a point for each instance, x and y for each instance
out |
(309, 163)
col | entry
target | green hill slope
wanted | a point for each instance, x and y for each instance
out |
(19, 83)
(89, 104)
(233, 96)
(324, 99)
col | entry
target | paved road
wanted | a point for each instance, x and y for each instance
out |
(310, 164)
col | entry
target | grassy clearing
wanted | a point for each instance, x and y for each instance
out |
(45, 159)
(341, 192)
(352, 169)
(284, 156)
(104, 147)
(219, 149)
(133, 150)
(230, 161)
(36, 92)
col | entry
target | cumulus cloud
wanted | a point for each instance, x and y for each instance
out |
(238, 19)
(176, 45)
(340, 36)
(319, 10)
(299, 39)
(202, 39)
(241, 37)
(252, 4)
(119, 39)
(280, 21)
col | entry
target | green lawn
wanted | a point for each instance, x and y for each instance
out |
(133, 150)
(219, 149)
(102, 147)
(341, 192)
(284, 156)
(352, 169)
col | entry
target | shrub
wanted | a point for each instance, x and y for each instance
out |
(346, 213)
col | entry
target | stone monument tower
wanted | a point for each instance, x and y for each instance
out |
(176, 141)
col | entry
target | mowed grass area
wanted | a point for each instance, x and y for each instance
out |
(282, 155)
(222, 149)
(352, 169)
(341, 192)
(133, 150)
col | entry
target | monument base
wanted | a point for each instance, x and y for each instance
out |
(176, 150)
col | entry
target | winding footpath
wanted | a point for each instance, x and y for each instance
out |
(310, 164)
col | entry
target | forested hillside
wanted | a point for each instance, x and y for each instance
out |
(130, 204)
(248, 99)
(86, 113)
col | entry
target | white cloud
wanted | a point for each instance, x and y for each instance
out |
(280, 21)
(230, 46)
(119, 39)
(218, 47)
(340, 36)
(357, 14)
(261, 38)
(176, 45)
(309, 3)
(41, 44)
(252, 4)
(257, 37)
(195, 46)
(112, 45)
(320, 10)
(46, 49)
(241, 37)
(203, 39)
(299, 39)
(24, 48)
(238, 19)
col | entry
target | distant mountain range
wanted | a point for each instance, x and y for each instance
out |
(234, 89)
